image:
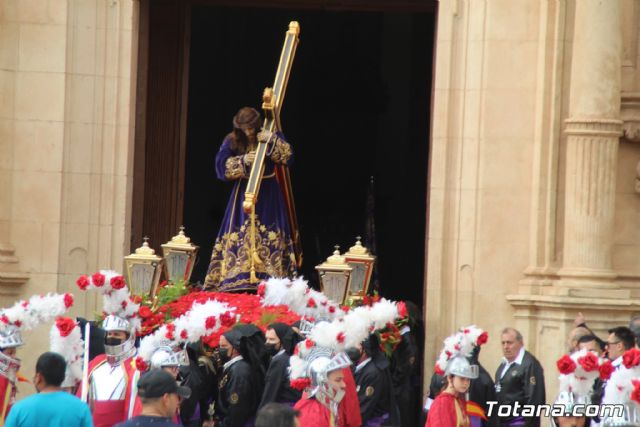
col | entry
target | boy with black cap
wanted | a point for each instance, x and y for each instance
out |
(160, 396)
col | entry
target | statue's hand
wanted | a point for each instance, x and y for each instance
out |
(249, 158)
(265, 135)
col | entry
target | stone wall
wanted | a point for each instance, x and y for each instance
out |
(67, 69)
(533, 212)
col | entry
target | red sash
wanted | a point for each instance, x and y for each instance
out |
(106, 413)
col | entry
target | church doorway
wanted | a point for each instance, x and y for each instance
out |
(357, 106)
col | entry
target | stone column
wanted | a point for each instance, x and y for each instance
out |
(593, 131)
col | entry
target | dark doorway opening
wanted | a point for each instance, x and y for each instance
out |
(357, 106)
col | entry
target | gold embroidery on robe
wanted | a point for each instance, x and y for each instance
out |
(231, 256)
(233, 168)
(281, 151)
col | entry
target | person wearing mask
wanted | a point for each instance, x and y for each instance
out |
(280, 340)
(51, 406)
(238, 387)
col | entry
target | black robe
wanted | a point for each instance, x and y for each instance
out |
(522, 383)
(237, 397)
(481, 391)
(276, 387)
(374, 391)
(404, 368)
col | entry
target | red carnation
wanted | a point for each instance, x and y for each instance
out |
(635, 393)
(170, 330)
(25, 304)
(311, 303)
(332, 309)
(308, 343)
(482, 338)
(183, 334)
(340, 337)
(345, 308)
(4, 319)
(606, 369)
(124, 304)
(210, 323)
(566, 365)
(438, 370)
(141, 365)
(300, 383)
(145, 312)
(227, 320)
(402, 309)
(65, 325)
(589, 362)
(83, 282)
(97, 279)
(17, 323)
(631, 358)
(68, 300)
(117, 282)
(262, 289)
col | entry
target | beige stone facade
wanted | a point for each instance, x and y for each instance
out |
(533, 214)
(532, 208)
(66, 132)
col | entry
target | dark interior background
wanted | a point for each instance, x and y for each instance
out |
(357, 106)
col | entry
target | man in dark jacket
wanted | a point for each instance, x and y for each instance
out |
(237, 394)
(519, 378)
(373, 383)
(280, 341)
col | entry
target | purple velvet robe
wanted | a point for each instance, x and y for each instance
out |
(230, 266)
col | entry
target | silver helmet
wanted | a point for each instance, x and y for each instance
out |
(10, 337)
(629, 418)
(568, 401)
(164, 357)
(116, 353)
(321, 363)
(460, 367)
(9, 367)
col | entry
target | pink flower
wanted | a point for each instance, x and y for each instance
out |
(68, 300)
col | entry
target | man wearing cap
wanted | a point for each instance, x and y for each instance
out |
(239, 386)
(280, 342)
(160, 396)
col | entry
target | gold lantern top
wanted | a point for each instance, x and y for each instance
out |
(335, 262)
(362, 262)
(143, 270)
(144, 253)
(358, 251)
(179, 254)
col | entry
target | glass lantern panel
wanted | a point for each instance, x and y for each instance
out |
(177, 263)
(141, 278)
(334, 285)
(358, 276)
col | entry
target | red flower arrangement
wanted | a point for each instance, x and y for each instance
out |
(68, 300)
(566, 365)
(311, 303)
(635, 393)
(589, 362)
(117, 282)
(145, 312)
(438, 370)
(83, 282)
(340, 337)
(606, 369)
(98, 279)
(300, 383)
(631, 358)
(482, 338)
(141, 365)
(65, 325)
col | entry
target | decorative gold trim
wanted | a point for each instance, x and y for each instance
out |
(233, 168)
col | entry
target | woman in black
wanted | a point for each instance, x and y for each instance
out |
(280, 342)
